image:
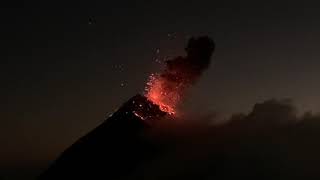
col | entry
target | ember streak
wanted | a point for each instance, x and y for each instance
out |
(168, 88)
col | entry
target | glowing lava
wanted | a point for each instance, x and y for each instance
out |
(164, 93)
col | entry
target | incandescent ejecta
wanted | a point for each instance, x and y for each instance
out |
(168, 88)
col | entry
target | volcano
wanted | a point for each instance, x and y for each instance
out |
(117, 147)
(113, 149)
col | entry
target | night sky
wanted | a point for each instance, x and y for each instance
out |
(66, 66)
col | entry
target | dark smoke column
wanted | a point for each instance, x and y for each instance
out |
(118, 146)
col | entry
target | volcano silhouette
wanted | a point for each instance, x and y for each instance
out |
(112, 150)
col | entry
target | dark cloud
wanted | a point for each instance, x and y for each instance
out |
(271, 142)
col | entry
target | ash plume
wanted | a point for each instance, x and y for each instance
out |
(167, 89)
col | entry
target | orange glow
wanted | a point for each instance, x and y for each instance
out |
(164, 93)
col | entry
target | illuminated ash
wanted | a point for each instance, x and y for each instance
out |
(168, 88)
